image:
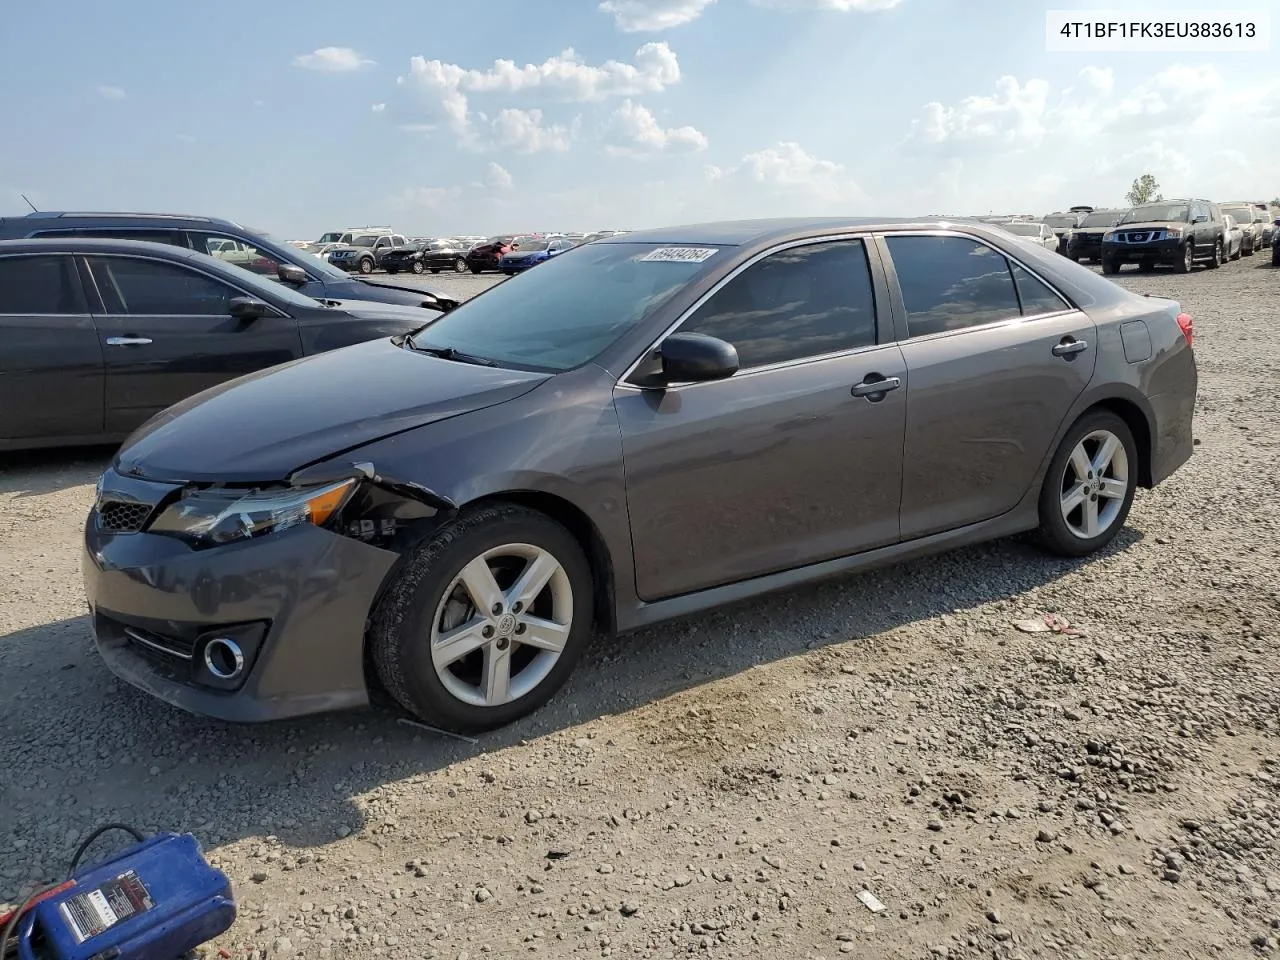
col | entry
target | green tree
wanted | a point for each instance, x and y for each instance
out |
(1146, 189)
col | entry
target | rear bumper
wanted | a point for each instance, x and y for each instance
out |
(295, 603)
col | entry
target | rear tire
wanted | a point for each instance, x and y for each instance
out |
(435, 269)
(475, 269)
(1238, 254)
(428, 601)
(1216, 261)
(1107, 494)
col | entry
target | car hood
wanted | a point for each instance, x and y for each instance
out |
(368, 292)
(374, 310)
(1150, 225)
(262, 427)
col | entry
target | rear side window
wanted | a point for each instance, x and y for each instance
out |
(150, 287)
(1035, 296)
(952, 283)
(171, 237)
(38, 285)
(233, 250)
(798, 303)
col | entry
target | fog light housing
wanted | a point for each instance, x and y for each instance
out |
(224, 657)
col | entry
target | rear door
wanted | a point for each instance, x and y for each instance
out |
(995, 359)
(167, 332)
(50, 358)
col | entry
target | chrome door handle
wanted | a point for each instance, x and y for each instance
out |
(1069, 348)
(875, 388)
(128, 341)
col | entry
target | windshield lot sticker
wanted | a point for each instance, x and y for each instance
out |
(681, 254)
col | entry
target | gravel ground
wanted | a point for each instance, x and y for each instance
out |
(729, 783)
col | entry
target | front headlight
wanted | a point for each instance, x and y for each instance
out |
(1109, 235)
(1173, 232)
(212, 517)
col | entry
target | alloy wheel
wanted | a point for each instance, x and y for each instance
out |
(418, 266)
(1189, 257)
(1095, 484)
(459, 266)
(501, 625)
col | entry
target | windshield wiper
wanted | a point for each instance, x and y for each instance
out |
(449, 353)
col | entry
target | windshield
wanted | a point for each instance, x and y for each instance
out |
(1069, 220)
(364, 241)
(1240, 214)
(329, 238)
(1023, 229)
(571, 308)
(532, 246)
(1152, 212)
(1100, 219)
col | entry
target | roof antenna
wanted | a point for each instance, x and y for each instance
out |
(29, 203)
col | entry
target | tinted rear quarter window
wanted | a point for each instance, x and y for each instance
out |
(951, 283)
(1035, 296)
(38, 285)
(803, 302)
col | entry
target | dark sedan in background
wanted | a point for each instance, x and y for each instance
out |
(224, 239)
(433, 255)
(97, 336)
(488, 255)
(1084, 242)
(641, 428)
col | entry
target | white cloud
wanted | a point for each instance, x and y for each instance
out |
(496, 177)
(639, 129)
(379, 107)
(651, 16)
(428, 198)
(332, 60)
(1028, 145)
(112, 93)
(838, 6)
(788, 171)
(445, 87)
(186, 138)
(523, 132)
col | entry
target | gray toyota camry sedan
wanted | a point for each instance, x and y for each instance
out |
(644, 427)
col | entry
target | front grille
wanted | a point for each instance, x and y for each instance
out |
(1139, 237)
(120, 516)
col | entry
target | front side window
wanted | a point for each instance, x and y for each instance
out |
(38, 285)
(803, 302)
(150, 287)
(951, 283)
(237, 252)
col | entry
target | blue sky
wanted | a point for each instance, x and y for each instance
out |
(441, 117)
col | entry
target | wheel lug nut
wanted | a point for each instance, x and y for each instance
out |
(520, 628)
(517, 607)
(497, 609)
(486, 632)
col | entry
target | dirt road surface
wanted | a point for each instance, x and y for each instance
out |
(727, 785)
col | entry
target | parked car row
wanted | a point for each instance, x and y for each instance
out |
(1175, 233)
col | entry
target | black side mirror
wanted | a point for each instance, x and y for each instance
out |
(696, 358)
(293, 275)
(247, 308)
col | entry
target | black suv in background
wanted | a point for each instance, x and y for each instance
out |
(227, 241)
(1176, 233)
(1062, 224)
(1084, 242)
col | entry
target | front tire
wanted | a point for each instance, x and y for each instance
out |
(446, 638)
(1238, 254)
(459, 266)
(366, 266)
(392, 271)
(418, 267)
(1089, 487)
(1110, 265)
(475, 268)
(1188, 258)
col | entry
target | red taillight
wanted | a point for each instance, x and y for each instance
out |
(1188, 328)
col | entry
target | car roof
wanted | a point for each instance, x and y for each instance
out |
(728, 233)
(103, 245)
(122, 215)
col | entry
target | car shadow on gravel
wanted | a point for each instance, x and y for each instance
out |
(33, 473)
(107, 752)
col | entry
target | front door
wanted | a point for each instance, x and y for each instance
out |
(167, 333)
(780, 465)
(995, 360)
(50, 358)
